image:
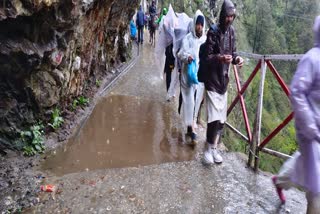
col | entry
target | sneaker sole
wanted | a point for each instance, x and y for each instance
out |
(218, 162)
(205, 161)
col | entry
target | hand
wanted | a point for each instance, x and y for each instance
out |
(239, 61)
(190, 59)
(226, 59)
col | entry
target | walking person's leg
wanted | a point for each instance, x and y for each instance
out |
(211, 153)
(139, 34)
(168, 78)
(188, 111)
(142, 29)
(199, 99)
(217, 113)
(313, 203)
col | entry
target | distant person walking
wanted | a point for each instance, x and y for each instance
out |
(140, 24)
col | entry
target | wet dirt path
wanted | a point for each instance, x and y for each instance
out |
(132, 125)
(113, 164)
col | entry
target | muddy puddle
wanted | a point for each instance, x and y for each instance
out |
(122, 131)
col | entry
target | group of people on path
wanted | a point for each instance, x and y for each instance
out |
(213, 53)
(149, 20)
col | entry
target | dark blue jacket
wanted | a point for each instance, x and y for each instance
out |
(140, 18)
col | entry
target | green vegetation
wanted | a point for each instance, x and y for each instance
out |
(57, 120)
(98, 83)
(33, 140)
(80, 101)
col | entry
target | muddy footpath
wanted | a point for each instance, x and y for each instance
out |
(125, 153)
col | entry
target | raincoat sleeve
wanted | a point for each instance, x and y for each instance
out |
(184, 52)
(213, 54)
(300, 87)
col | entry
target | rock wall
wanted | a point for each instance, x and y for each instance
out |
(48, 51)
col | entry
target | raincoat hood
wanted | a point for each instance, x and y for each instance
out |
(182, 27)
(198, 13)
(227, 9)
(316, 31)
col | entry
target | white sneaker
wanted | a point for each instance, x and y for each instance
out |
(208, 158)
(216, 156)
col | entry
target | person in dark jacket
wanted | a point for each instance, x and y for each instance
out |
(220, 52)
(140, 24)
(153, 9)
(169, 64)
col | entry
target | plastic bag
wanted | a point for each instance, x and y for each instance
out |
(192, 73)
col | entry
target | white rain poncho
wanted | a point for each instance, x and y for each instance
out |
(172, 29)
(166, 34)
(181, 29)
(190, 47)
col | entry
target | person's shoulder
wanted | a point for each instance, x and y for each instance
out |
(313, 54)
(189, 35)
(214, 28)
(232, 28)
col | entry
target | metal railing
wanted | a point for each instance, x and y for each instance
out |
(253, 138)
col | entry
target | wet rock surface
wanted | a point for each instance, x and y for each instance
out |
(184, 187)
(19, 183)
(51, 51)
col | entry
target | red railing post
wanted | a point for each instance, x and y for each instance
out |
(243, 106)
(276, 131)
(255, 138)
(244, 87)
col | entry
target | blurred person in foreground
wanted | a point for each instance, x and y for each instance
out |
(303, 169)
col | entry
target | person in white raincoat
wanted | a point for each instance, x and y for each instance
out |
(190, 51)
(165, 38)
(181, 29)
(303, 169)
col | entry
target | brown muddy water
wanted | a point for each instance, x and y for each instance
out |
(122, 131)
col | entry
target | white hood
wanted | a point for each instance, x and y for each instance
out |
(199, 13)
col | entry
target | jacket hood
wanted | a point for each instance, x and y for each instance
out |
(193, 30)
(316, 31)
(227, 9)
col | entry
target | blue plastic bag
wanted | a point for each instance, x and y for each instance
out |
(192, 73)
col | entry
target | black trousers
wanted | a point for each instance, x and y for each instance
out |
(140, 34)
(168, 77)
(214, 129)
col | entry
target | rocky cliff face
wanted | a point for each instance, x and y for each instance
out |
(49, 49)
